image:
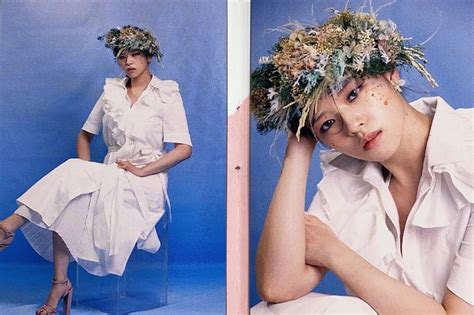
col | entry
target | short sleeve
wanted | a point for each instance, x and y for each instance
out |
(461, 278)
(93, 123)
(175, 125)
(319, 207)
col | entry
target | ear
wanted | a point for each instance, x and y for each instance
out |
(148, 59)
(392, 76)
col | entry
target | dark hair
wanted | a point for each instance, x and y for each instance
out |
(115, 51)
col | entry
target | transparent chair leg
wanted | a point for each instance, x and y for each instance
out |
(143, 285)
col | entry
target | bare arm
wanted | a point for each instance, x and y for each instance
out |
(83, 146)
(180, 153)
(282, 273)
(383, 293)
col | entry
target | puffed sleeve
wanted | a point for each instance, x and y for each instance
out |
(461, 278)
(93, 123)
(175, 125)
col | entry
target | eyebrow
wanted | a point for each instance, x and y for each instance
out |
(344, 84)
(321, 114)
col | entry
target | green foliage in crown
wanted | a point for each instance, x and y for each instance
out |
(131, 38)
(312, 60)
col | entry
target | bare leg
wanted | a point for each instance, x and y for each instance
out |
(61, 257)
(61, 261)
(13, 223)
(8, 228)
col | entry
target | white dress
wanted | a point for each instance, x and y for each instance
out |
(100, 210)
(438, 242)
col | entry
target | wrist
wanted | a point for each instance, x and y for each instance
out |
(334, 253)
(141, 172)
(301, 149)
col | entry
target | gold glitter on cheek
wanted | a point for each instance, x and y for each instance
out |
(385, 102)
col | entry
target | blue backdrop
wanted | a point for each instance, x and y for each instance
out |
(52, 72)
(449, 61)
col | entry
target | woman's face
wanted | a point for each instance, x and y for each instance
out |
(133, 63)
(364, 120)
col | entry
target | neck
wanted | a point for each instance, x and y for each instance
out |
(142, 80)
(406, 164)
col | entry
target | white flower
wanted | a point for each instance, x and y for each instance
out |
(265, 60)
(271, 93)
(384, 55)
(274, 104)
(398, 85)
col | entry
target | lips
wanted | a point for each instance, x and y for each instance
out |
(130, 69)
(371, 139)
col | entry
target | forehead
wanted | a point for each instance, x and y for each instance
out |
(126, 52)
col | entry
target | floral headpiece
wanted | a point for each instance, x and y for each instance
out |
(131, 38)
(312, 60)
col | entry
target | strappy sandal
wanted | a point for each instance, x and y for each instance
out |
(47, 309)
(7, 237)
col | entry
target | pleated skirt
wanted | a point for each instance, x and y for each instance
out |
(100, 211)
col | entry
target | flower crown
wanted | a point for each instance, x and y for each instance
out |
(131, 38)
(313, 60)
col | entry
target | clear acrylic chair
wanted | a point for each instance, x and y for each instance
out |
(143, 286)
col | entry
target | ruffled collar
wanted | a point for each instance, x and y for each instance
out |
(155, 82)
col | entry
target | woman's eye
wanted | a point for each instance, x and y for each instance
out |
(326, 125)
(135, 54)
(353, 94)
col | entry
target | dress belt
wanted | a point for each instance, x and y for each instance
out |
(157, 156)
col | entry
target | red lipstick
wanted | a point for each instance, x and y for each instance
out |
(371, 139)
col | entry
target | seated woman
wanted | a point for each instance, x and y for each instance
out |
(392, 217)
(96, 213)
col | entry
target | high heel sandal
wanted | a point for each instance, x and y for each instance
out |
(7, 237)
(47, 309)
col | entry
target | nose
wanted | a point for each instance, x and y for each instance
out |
(128, 59)
(352, 121)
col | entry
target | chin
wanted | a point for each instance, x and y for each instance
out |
(375, 155)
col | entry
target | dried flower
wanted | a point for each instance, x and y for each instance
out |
(131, 38)
(310, 61)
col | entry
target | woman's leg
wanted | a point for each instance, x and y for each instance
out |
(13, 222)
(61, 257)
(8, 228)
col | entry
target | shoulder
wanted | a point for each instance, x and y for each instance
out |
(113, 86)
(346, 179)
(450, 149)
(165, 86)
(114, 83)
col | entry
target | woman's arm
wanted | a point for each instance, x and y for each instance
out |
(83, 146)
(180, 153)
(383, 293)
(282, 273)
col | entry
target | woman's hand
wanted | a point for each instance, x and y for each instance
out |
(129, 167)
(320, 240)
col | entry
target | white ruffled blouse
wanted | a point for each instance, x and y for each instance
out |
(438, 242)
(137, 133)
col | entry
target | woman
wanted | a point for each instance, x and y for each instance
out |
(96, 213)
(392, 217)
